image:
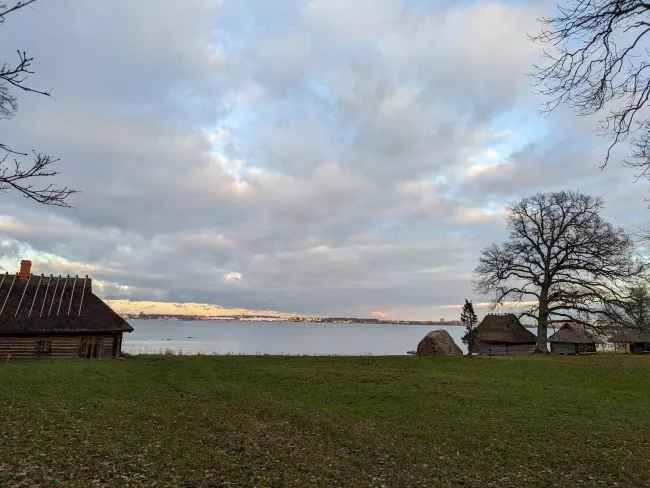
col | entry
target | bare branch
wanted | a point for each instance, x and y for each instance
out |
(598, 55)
(18, 177)
(4, 10)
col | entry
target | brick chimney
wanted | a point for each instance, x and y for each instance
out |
(25, 269)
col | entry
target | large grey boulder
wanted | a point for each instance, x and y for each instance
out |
(438, 343)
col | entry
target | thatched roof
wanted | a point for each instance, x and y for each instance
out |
(574, 333)
(629, 336)
(50, 304)
(504, 328)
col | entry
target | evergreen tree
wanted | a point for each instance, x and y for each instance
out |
(469, 320)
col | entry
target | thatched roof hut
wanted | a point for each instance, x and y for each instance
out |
(638, 340)
(574, 338)
(503, 335)
(55, 317)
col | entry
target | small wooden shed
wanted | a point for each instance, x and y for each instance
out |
(56, 318)
(503, 335)
(637, 340)
(574, 338)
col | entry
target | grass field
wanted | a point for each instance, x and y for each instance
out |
(327, 421)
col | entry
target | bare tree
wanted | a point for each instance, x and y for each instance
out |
(638, 307)
(599, 55)
(633, 311)
(14, 174)
(561, 260)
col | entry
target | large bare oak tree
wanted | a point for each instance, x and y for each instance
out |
(14, 173)
(561, 261)
(597, 60)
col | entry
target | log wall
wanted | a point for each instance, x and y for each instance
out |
(639, 347)
(32, 348)
(517, 349)
(487, 348)
(586, 348)
(563, 348)
(503, 349)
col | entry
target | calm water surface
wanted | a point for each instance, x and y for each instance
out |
(154, 336)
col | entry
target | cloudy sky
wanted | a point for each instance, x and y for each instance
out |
(326, 157)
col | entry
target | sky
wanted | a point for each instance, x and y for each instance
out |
(315, 157)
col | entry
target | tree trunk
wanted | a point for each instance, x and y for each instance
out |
(470, 341)
(542, 327)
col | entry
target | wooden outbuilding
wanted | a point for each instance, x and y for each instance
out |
(56, 318)
(574, 338)
(637, 340)
(503, 335)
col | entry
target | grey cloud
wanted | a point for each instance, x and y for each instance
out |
(341, 182)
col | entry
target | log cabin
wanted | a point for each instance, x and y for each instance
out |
(637, 340)
(503, 335)
(574, 338)
(50, 317)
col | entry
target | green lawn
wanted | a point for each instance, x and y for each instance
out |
(327, 421)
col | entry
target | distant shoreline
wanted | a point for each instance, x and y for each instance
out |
(307, 321)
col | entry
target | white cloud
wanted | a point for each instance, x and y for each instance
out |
(353, 21)
(232, 276)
